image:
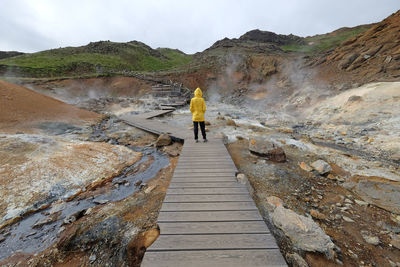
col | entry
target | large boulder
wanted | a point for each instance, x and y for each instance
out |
(321, 167)
(163, 140)
(267, 149)
(303, 232)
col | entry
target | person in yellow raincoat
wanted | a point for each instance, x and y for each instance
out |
(198, 108)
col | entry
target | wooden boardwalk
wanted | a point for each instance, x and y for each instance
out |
(207, 217)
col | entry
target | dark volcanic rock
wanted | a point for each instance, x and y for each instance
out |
(271, 37)
(7, 54)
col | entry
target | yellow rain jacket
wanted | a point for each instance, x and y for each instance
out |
(198, 106)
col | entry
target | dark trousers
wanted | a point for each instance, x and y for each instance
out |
(196, 129)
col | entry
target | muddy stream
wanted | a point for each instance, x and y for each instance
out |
(37, 231)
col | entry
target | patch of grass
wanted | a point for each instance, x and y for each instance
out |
(325, 42)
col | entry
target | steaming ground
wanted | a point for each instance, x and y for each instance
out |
(356, 132)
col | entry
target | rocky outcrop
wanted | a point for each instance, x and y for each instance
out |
(377, 191)
(374, 53)
(271, 37)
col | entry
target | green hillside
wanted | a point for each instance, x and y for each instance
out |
(99, 57)
(325, 42)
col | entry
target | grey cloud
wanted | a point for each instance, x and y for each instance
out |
(191, 26)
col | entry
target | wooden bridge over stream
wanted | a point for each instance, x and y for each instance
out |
(207, 218)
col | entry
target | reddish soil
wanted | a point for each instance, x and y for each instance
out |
(115, 86)
(21, 107)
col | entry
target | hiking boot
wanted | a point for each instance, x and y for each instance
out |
(205, 140)
(196, 141)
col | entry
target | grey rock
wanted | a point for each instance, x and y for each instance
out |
(304, 233)
(296, 260)
(100, 201)
(92, 258)
(321, 167)
(373, 240)
(360, 202)
(379, 192)
(347, 219)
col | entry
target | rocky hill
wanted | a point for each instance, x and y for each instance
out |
(370, 56)
(95, 58)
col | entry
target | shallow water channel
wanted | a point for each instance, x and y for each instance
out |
(25, 237)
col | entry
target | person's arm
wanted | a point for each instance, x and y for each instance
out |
(204, 106)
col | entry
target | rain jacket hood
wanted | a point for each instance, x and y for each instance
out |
(198, 93)
(198, 106)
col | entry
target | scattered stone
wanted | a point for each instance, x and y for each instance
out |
(92, 258)
(348, 201)
(360, 202)
(304, 233)
(321, 167)
(230, 122)
(62, 228)
(354, 98)
(241, 178)
(347, 219)
(372, 240)
(163, 140)
(31, 234)
(331, 177)
(101, 201)
(172, 150)
(46, 220)
(296, 260)
(207, 123)
(395, 240)
(150, 188)
(221, 118)
(69, 219)
(138, 183)
(305, 166)
(318, 215)
(88, 211)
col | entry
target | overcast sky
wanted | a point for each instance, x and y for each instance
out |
(191, 26)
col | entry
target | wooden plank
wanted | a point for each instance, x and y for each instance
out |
(189, 166)
(208, 206)
(203, 174)
(213, 227)
(214, 241)
(206, 191)
(207, 198)
(209, 216)
(204, 160)
(214, 170)
(176, 184)
(220, 258)
(204, 179)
